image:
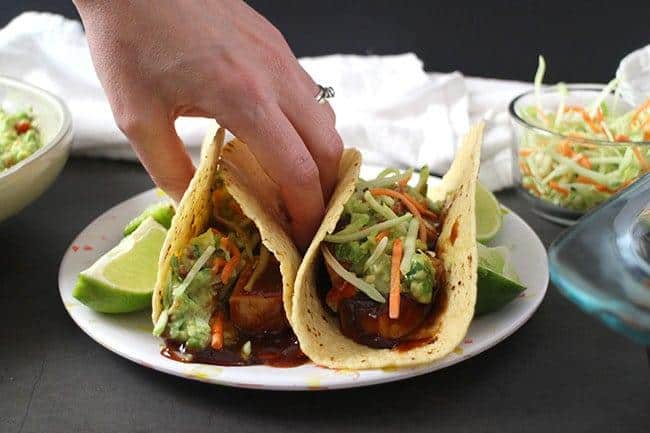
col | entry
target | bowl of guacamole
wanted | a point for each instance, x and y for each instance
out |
(35, 139)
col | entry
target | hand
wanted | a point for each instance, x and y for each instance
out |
(218, 59)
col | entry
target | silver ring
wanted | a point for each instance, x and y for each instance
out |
(324, 93)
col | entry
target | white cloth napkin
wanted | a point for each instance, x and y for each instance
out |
(387, 106)
(634, 75)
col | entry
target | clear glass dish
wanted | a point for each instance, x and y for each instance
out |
(538, 155)
(603, 262)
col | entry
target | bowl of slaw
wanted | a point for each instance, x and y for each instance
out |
(576, 146)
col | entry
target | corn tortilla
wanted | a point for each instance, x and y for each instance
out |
(318, 330)
(252, 189)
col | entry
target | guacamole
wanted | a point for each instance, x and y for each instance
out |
(197, 282)
(203, 277)
(19, 137)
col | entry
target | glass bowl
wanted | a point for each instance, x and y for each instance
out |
(556, 172)
(603, 262)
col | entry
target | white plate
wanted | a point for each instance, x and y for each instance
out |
(129, 335)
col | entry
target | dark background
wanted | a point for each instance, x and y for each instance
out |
(561, 372)
(581, 40)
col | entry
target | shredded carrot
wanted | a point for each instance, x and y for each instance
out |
(583, 161)
(640, 109)
(588, 181)
(395, 291)
(585, 116)
(565, 149)
(405, 181)
(411, 206)
(645, 165)
(524, 168)
(646, 129)
(422, 207)
(216, 328)
(424, 210)
(557, 187)
(622, 137)
(229, 268)
(533, 189)
(217, 265)
(381, 235)
(599, 115)
(525, 152)
(606, 130)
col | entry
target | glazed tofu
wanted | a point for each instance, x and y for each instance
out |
(260, 309)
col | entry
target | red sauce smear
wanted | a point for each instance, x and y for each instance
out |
(412, 344)
(431, 324)
(281, 350)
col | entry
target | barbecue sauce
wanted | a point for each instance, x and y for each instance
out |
(257, 316)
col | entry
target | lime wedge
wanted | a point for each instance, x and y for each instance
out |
(122, 280)
(498, 283)
(161, 212)
(488, 214)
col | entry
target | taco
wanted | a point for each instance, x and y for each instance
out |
(390, 277)
(227, 267)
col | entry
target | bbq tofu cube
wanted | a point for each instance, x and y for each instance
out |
(259, 310)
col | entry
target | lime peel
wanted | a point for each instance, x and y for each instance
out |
(489, 216)
(122, 280)
(498, 283)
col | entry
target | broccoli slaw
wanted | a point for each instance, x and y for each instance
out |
(382, 212)
(591, 152)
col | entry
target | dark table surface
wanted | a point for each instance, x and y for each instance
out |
(561, 372)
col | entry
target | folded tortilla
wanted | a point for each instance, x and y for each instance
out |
(318, 330)
(257, 195)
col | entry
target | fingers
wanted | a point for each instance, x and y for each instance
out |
(285, 158)
(315, 124)
(161, 151)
